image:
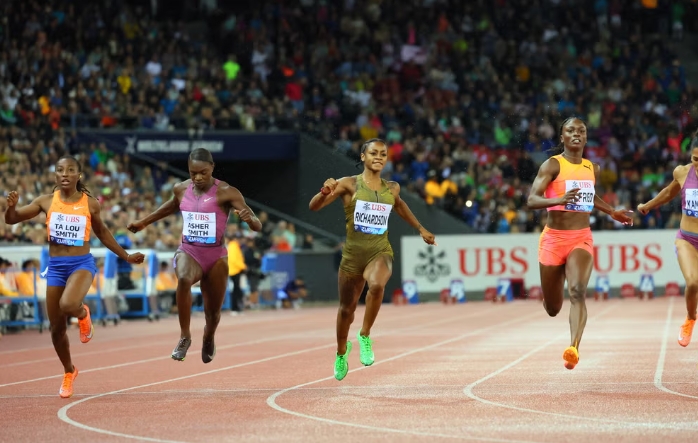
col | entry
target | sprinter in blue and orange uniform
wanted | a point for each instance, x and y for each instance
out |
(71, 213)
(566, 187)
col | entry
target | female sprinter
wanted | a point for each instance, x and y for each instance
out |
(205, 203)
(685, 182)
(367, 256)
(70, 214)
(565, 186)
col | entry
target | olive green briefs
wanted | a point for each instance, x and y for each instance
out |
(367, 227)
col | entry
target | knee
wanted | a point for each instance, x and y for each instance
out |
(375, 289)
(69, 306)
(347, 310)
(58, 331)
(213, 316)
(578, 292)
(691, 287)
(185, 282)
(552, 309)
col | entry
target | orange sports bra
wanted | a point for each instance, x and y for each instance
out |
(573, 176)
(69, 223)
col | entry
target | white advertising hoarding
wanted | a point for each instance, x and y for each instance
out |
(481, 260)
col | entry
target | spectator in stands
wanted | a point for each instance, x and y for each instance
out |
(423, 89)
(166, 286)
(253, 265)
(293, 294)
(7, 284)
(236, 268)
(29, 280)
(124, 268)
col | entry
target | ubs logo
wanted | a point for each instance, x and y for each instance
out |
(374, 207)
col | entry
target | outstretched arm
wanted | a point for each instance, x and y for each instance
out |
(165, 210)
(406, 214)
(15, 215)
(245, 213)
(106, 237)
(620, 215)
(665, 195)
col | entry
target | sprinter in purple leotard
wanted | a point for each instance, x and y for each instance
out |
(685, 182)
(204, 203)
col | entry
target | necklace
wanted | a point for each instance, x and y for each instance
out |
(570, 157)
(369, 181)
(71, 195)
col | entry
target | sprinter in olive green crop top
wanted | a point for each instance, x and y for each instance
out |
(367, 256)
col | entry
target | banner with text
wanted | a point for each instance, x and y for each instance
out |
(176, 145)
(481, 260)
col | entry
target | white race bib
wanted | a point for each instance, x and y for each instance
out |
(690, 206)
(371, 218)
(199, 227)
(586, 193)
(67, 229)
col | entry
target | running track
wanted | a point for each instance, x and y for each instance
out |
(472, 372)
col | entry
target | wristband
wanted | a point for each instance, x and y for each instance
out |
(322, 191)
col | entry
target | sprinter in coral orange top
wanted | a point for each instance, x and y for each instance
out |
(565, 186)
(71, 212)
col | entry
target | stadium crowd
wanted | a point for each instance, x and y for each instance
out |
(468, 95)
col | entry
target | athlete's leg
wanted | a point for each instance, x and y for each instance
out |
(213, 287)
(579, 266)
(188, 272)
(58, 325)
(552, 283)
(376, 274)
(552, 254)
(72, 305)
(350, 286)
(688, 257)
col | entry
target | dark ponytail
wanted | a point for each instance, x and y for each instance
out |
(80, 186)
(365, 146)
(560, 148)
(694, 141)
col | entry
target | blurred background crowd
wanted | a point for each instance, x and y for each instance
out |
(468, 94)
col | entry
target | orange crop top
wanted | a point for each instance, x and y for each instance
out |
(69, 223)
(573, 176)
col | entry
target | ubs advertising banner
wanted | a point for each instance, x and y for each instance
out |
(481, 260)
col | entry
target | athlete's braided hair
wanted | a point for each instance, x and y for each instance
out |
(80, 186)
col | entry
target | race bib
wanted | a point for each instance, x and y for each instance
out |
(690, 206)
(371, 218)
(67, 229)
(199, 227)
(585, 202)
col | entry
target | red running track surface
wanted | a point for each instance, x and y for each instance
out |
(471, 372)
